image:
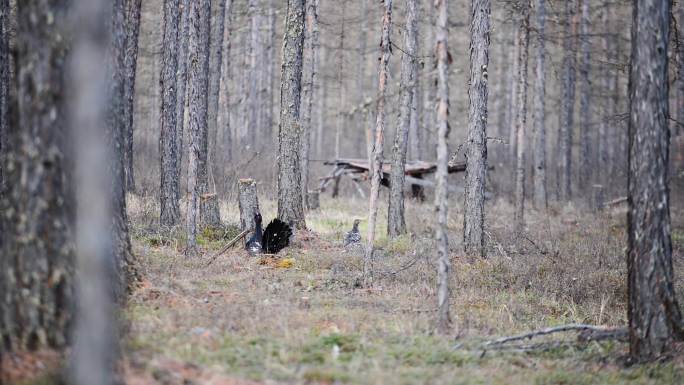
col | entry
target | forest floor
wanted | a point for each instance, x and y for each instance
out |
(304, 318)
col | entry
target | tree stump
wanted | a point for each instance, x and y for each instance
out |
(313, 201)
(248, 201)
(598, 197)
(210, 218)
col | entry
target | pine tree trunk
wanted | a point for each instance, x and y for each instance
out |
(37, 264)
(322, 100)
(265, 82)
(132, 29)
(95, 347)
(603, 147)
(540, 196)
(441, 191)
(168, 140)
(476, 146)
(198, 83)
(567, 113)
(655, 321)
(680, 71)
(116, 135)
(248, 203)
(181, 85)
(586, 158)
(308, 79)
(396, 224)
(429, 99)
(290, 208)
(4, 87)
(515, 93)
(361, 78)
(226, 138)
(339, 128)
(251, 107)
(521, 116)
(210, 209)
(376, 170)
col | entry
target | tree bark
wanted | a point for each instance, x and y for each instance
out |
(210, 209)
(248, 202)
(540, 196)
(251, 101)
(376, 170)
(168, 141)
(339, 128)
(226, 138)
(181, 84)
(198, 82)
(396, 224)
(290, 208)
(132, 28)
(441, 191)
(604, 149)
(515, 93)
(586, 157)
(521, 115)
(655, 321)
(308, 79)
(95, 347)
(116, 135)
(567, 113)
(4, 87)
(37, 264)
(476, 146)
(680, 71)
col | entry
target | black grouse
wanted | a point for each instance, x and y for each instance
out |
(354, 236)
(271, 240)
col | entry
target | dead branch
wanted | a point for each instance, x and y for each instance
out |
(546, 331)
(615, 202)
(228, 246)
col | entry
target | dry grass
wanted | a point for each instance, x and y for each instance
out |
(313, 323)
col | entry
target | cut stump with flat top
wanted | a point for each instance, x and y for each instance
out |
(313, 201)
(248, 201)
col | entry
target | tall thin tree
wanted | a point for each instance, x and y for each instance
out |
(442, 192)
(169, 191)
(521, 114)
(198, 83)
(476, 146)
(586, 157)
(567, 113)
(655, 320)
(396, 223)
(290, 208)
(182, 83)
(308, 80)
(376, 164)
(540, 197)
(132, 28)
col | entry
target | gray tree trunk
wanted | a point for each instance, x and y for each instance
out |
(251, 101)
(515, 102)
(339, 128)
(182, 82)
(521, 115)
(586, 158)
(655, 321)
(116, 135)
(476, 146)
(132, 30)
(4, 86)
(248, 202)
(441, 191)
(226, 137)
(210, 209)
(376, 170)
(604, 149)
(308, 79)
(290, 207)
(567, 113)
(429, 100)
(37, 264)
(198, 83)
(322, 100)
(540, 197)
(169, 191)
(680, 71)
(266, 70)
(396, 224)
(359, 118)
(95, 343)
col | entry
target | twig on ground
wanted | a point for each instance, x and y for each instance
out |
(541, 251)
(228, 246)
(402, 268)
(546, 331)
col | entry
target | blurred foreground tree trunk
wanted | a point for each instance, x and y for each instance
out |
(308, 80)
(376, 160)
(132, 29)
(476, 146)
(209, 208)
(198, 83)
(396, 223)
(95, 343)
(290, 208)
(37, 263)
(655, 321)
(441, 191)
(521, 115)
(168, 141)
(4, 87)
(540, 195)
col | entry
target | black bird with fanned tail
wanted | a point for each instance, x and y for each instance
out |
(353, 237)
(274, 238)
